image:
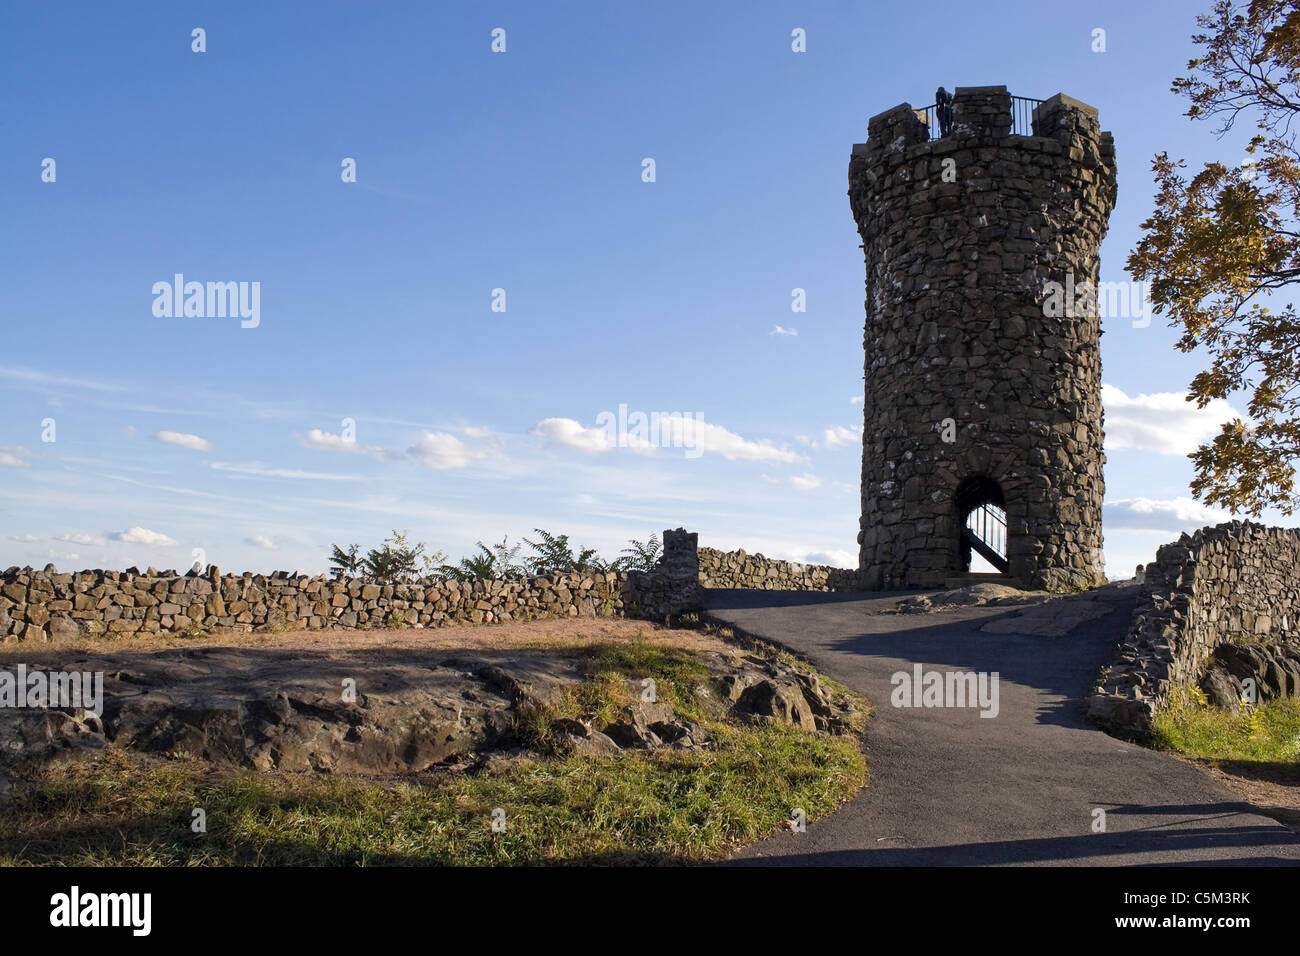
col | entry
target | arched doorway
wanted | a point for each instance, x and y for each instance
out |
(982, 522)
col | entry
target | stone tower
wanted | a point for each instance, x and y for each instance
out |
(983, 387)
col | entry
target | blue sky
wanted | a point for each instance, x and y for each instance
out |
(519, 171)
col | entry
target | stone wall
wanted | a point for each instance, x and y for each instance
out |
(960, 236)
(737, 569)
(45, 605)
(1234, 582)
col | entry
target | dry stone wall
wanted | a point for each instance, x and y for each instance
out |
(45, 605)
(1226, 584)
(961, 236)
(737, 569)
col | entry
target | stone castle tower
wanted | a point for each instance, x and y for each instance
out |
(982, 411)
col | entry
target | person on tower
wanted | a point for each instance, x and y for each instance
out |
(943, 110)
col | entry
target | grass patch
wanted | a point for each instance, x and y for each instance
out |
(1269, 733)
(635, 807)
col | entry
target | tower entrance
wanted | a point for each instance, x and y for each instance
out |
(982, 520)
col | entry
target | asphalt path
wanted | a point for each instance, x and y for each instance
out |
(949, 787)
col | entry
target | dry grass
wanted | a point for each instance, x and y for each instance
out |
(563, 632)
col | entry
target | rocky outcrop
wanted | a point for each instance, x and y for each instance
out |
(1233, 583)
(363, 711)
(1274, 671)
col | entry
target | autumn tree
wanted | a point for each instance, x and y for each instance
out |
(1221, 252)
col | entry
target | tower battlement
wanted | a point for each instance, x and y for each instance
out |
(977, 401)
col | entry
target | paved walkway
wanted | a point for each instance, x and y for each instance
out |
(950, 787)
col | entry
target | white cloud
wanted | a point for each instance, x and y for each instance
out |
(834, 558)
(142, 536)
(444, 451)
(675, 431)
(1165, 516)
(24, 538)
(128, 431)
(441, 451)
(838, 435)
(9, 456)
(782, 330)
(78, 538)
(261, 541)
(573, 434)
(328, 441)
(716, 439)
(258, 470)
(1162, 422)
(185, 441)
(855, 400)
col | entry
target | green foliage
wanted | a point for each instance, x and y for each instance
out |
(1265, 733)
(400, 562)
(1222, 250)
(345, 563)
(553, 555)
(641, 556)
(498, 561)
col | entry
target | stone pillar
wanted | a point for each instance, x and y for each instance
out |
(680, 568)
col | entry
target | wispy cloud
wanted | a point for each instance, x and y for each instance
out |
(328, 441)
(261, 541)
(80, 538)
(12, 456)
(34, 377)
(782, 330)
(805, 482)
(258, 470)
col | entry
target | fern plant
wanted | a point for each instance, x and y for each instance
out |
(498, 561)
(398, 561)
(345, 563)
(641, 556)
(554, 554)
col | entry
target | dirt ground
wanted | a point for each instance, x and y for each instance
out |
(569, 632)
(1272, 790)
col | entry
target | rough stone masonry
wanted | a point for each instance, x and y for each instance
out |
(960, 236)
